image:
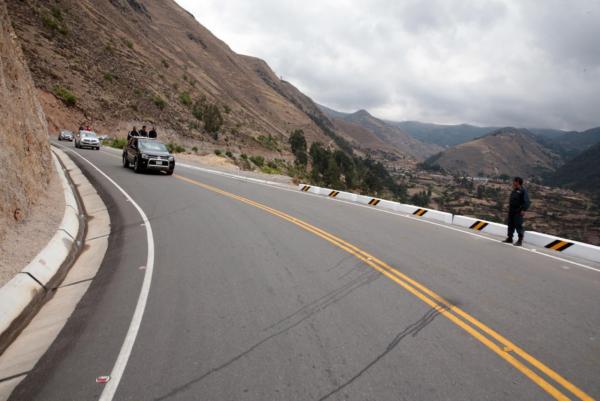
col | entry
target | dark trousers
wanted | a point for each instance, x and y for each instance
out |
(515, 222)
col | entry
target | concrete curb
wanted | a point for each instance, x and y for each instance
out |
(549, 242)
(25, 293)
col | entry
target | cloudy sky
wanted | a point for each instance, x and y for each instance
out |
(495, 62)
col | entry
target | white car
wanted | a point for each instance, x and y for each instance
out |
(87, 139)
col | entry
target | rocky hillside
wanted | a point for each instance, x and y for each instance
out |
(24, 150)
(116, 63)
(386, 133)
(581, 173)
(508, 151)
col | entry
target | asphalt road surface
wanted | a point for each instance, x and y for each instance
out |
(261, 293)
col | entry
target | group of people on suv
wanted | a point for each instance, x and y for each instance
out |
(142, 133)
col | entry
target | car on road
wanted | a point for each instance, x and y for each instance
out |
(147, 154)
(87, 139)
(65, 135)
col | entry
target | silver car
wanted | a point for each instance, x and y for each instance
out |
(87, 139)
(65, 135)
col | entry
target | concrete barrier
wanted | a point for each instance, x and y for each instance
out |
(425, 213)
(563, 245)
(549, 242)
(479, 225)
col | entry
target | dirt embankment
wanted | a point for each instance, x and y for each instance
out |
(24, 149)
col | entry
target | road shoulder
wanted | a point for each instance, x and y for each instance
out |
(63, 289)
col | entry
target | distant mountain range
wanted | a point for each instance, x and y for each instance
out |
(363, 128)
(581, 173)
(508, 151)
(468, 148)
(442, 135)
(571, 144)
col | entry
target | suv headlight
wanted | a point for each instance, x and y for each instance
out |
(171, 158)
(144, 156)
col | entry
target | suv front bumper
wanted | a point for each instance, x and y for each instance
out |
(156, 163)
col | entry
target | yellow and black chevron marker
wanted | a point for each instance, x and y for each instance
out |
(374, 202)
(305, 188)
(479, 225)
(420, 212)
(333, 194)
(559, 245)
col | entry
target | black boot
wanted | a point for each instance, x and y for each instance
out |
(519, 242)
(508, 240)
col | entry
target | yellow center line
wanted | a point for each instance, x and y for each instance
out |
(504, 349)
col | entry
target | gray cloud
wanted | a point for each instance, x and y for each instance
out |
(498, 62)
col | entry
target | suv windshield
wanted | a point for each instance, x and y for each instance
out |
(152, 145)
(88, 134)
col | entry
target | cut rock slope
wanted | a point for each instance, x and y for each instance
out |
(24, 149)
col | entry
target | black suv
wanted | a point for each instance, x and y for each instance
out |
(148, 154)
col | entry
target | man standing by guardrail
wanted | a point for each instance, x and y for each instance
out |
(518, 205)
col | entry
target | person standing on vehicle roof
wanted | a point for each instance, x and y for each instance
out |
(518, 205)
(143, 131)
(152, 133)
(132, 133)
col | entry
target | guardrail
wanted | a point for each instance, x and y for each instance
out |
(550, 242)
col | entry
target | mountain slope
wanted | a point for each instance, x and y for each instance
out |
(570, 144)
(442, 135)
(386, 133)
(128, 62)
(505, 151)
(24, 150)
(581, 173)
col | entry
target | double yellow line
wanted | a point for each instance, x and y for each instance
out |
(504, 348)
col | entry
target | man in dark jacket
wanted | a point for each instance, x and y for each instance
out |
(143, 132)
(132, 133)
(518, 205)
(152, 133)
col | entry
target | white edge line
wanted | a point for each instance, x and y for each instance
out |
(284, 188)
(134, 326)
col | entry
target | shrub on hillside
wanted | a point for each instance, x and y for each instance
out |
(298, 145)
(159, 102)
(53, 23)
(268, 142)
(175, 147)
(117, 143)
(185, 99)
(65, 95)
(213, 120)
(258, 160)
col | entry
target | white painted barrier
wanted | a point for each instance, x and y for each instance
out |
(562, 245)
(567, 247)
(348, 196)
(487, 227)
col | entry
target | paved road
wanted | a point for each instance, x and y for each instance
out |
(250, 300)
